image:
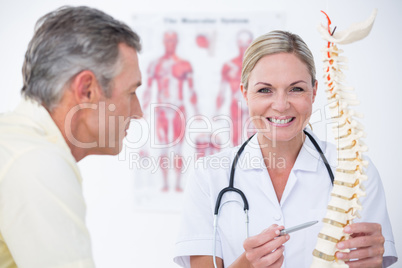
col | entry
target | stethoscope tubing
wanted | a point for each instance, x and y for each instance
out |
(231, 187)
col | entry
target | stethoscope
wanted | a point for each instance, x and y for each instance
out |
(231, 188)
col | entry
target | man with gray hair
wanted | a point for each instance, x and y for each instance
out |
(80, 77)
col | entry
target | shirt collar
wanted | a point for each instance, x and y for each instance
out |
(251, 158)
(309, 156)
(41, 121)
(307, 160)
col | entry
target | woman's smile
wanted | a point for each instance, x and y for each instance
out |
(280, 122)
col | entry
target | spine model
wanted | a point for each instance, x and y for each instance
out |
(344, 204)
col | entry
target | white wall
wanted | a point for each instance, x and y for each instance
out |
(123, 237)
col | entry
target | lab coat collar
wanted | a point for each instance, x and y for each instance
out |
(307, 160)
(251, 158)
(308, 157)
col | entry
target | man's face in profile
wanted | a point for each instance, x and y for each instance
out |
(122, 106)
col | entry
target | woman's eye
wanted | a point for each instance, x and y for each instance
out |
(297, 89)
(264, 90)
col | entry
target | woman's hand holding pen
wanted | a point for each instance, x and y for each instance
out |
(367, 244)
(266, 249)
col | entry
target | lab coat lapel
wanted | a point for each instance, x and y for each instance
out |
(260, 171)
(268, 188)
(306, 161)
(289, 186)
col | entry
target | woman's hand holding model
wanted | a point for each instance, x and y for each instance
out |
(367, 243)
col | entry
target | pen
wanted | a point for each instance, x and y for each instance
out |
(297, 227)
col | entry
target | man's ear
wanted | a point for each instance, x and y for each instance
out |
(244, 92)
(85, 87)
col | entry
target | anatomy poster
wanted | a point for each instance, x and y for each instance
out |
(191, 99)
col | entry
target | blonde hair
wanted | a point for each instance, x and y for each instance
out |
(272, 43)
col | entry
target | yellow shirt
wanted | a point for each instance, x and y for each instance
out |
(42, 209)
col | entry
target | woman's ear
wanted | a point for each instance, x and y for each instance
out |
(315, 90)
(85, 87)
(244, 92)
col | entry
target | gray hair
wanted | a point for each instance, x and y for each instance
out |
(272, 43)
(68, 41)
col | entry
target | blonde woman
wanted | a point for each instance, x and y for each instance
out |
(285, 179)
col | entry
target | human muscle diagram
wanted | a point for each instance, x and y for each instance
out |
(231, 75)
(172, 75)
(191, 97)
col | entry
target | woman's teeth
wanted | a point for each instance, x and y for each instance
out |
(280, 121)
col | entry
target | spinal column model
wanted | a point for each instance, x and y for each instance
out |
(344, 204)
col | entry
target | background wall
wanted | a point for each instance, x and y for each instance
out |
(126, 237)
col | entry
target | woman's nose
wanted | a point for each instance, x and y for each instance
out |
(281, 103)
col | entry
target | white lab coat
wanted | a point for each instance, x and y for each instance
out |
(305, 198)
